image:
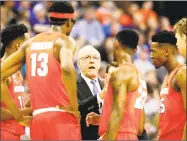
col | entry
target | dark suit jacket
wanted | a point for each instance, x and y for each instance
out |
(87, 103)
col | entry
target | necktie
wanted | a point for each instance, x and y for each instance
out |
(95, 90)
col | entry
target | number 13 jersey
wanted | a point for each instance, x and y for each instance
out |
(172, 113)
(44, 73)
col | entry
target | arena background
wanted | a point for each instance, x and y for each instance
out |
(106, 19)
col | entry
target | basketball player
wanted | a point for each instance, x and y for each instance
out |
(180, 30)
(172, 118)
(51, 77)
(93, 118)
(11, 38)
(122, 115)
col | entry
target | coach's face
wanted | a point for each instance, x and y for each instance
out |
(181, 43)
(159, 54)
(89, 63)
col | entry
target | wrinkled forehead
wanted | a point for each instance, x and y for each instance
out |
(88, 52)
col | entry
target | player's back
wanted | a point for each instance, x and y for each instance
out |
(172, 113)
(44, 73)
(132, 111)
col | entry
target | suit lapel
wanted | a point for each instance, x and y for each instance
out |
(83, 87)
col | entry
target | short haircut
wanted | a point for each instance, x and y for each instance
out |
(165, 37)
(180, 26)
(60, 7)
(10, 33)
(128, 37)
(87, 48)
(112, 64)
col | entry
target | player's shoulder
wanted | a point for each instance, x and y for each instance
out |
(63, 39)
(181, 73)
(27, 43)
(124, 72)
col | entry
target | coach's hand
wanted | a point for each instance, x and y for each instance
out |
(92, 119)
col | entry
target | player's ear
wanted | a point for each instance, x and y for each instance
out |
(68, 23)
(18, 45)
(135, 50)
(166, 52)
(184, 37)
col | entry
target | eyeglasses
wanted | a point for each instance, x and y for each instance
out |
(95, 58)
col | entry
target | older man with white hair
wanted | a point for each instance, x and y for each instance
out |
(89, 88)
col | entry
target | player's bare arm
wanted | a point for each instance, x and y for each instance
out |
(6, 114)
(67, 49)
(119, 81)
(8, 67)
(181, 83)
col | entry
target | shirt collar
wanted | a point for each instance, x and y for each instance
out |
(88, 80)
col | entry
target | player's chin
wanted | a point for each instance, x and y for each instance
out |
(157, 66)
(92, 73)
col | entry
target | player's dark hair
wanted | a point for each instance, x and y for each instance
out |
(60, 7)
(165, 37)
(112, 64)
(10, 33)
(128, 37)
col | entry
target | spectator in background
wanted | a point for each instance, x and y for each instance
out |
(102, 70)
(142, 62)
(7, 13)
(39, 21)
(88, 30)
(105, 11)
(25, 9)
(164, 23)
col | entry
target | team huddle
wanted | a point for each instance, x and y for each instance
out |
(51, 108)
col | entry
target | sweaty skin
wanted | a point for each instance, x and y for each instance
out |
(122, 81)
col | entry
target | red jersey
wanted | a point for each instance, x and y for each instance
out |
(172, 113)
(16, 89)
(44, 73)
(132, 111)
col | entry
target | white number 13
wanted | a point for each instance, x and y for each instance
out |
(43, 69)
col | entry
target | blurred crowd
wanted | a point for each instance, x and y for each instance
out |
(96, 24)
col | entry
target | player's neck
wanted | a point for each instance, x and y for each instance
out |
(55, 28)
(171, 65)
(125, 58)
(8, 53)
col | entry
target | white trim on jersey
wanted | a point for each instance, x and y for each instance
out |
(50, 109)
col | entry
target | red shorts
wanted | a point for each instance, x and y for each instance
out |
(5, 135)
(55, 126)
(172, 136)
(126, 136)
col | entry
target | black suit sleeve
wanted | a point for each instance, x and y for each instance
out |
(88, 105)
(143, 136)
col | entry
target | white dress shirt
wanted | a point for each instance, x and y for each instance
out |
(90, 85)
